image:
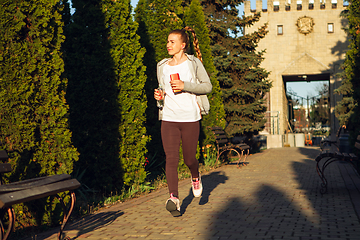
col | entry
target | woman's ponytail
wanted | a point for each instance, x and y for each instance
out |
(195, 42)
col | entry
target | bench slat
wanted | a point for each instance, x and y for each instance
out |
(5, 167)
(35, 182)
(9, 199)
(221, 137)
(222, 141)
(338, 154)
(243, 146)
(219, 132)
(3, 155)
(353, 156)
(323, 154)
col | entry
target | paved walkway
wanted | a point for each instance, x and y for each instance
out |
(276, 196)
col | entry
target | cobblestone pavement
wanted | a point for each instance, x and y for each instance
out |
(276, 196)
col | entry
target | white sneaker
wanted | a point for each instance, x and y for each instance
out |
(196, 186)
(173, 205)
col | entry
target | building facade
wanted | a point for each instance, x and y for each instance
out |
(305, 42)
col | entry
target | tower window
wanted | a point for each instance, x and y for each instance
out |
(299, 4)
(276, 6)
(330, 27)
(333, 4)
(311, 4)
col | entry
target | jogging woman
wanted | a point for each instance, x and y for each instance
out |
(183, 79)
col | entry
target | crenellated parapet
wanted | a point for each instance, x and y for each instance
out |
(294, 5)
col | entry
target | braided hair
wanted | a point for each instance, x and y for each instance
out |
(185, 38)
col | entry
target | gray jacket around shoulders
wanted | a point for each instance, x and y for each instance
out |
(200, 88)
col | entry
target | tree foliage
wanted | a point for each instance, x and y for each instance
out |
(156, 18)
(33, 111)
(130, 78)
(243, 82)
(105, 93)
(194, 17)
(347, 110)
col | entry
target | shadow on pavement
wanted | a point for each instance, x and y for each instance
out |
(83, 226)
(295, 210)
(210, 182)
(93, 222)
(269, 219)
(311, 153)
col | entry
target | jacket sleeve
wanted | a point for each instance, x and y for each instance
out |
(159, 69)
(158, 72)
(203, 84)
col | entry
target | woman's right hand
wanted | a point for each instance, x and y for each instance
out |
(158, 94)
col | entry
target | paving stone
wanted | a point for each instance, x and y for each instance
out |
(276, 196)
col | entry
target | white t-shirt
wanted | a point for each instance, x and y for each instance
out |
(180, 107)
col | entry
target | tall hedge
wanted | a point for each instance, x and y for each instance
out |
(160, 17)
(129, 70)
(156, 19)
(194, 17)
(105, 93)
(33, 111)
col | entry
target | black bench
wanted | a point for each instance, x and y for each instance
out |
(327, 157)
(32, 189)
(223, 145)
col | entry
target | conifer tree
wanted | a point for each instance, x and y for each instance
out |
(194, 17)
(347, 110)
(105, 93)
(160, 17)
(130, 78)
(33, 111)
(243, 83)
(155, 150)
(156, 18)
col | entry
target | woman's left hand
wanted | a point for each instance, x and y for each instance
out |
(177, 85)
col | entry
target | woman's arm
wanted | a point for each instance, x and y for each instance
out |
(203, 84)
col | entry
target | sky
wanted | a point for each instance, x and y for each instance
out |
(303, 89)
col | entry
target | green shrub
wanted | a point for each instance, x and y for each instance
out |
(33, 111)
(106, 94)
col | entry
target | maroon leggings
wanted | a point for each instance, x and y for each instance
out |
(171, 134)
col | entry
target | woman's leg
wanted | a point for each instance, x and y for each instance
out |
(190, 135)
(170, 135)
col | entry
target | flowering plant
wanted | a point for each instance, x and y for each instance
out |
(209, 153)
